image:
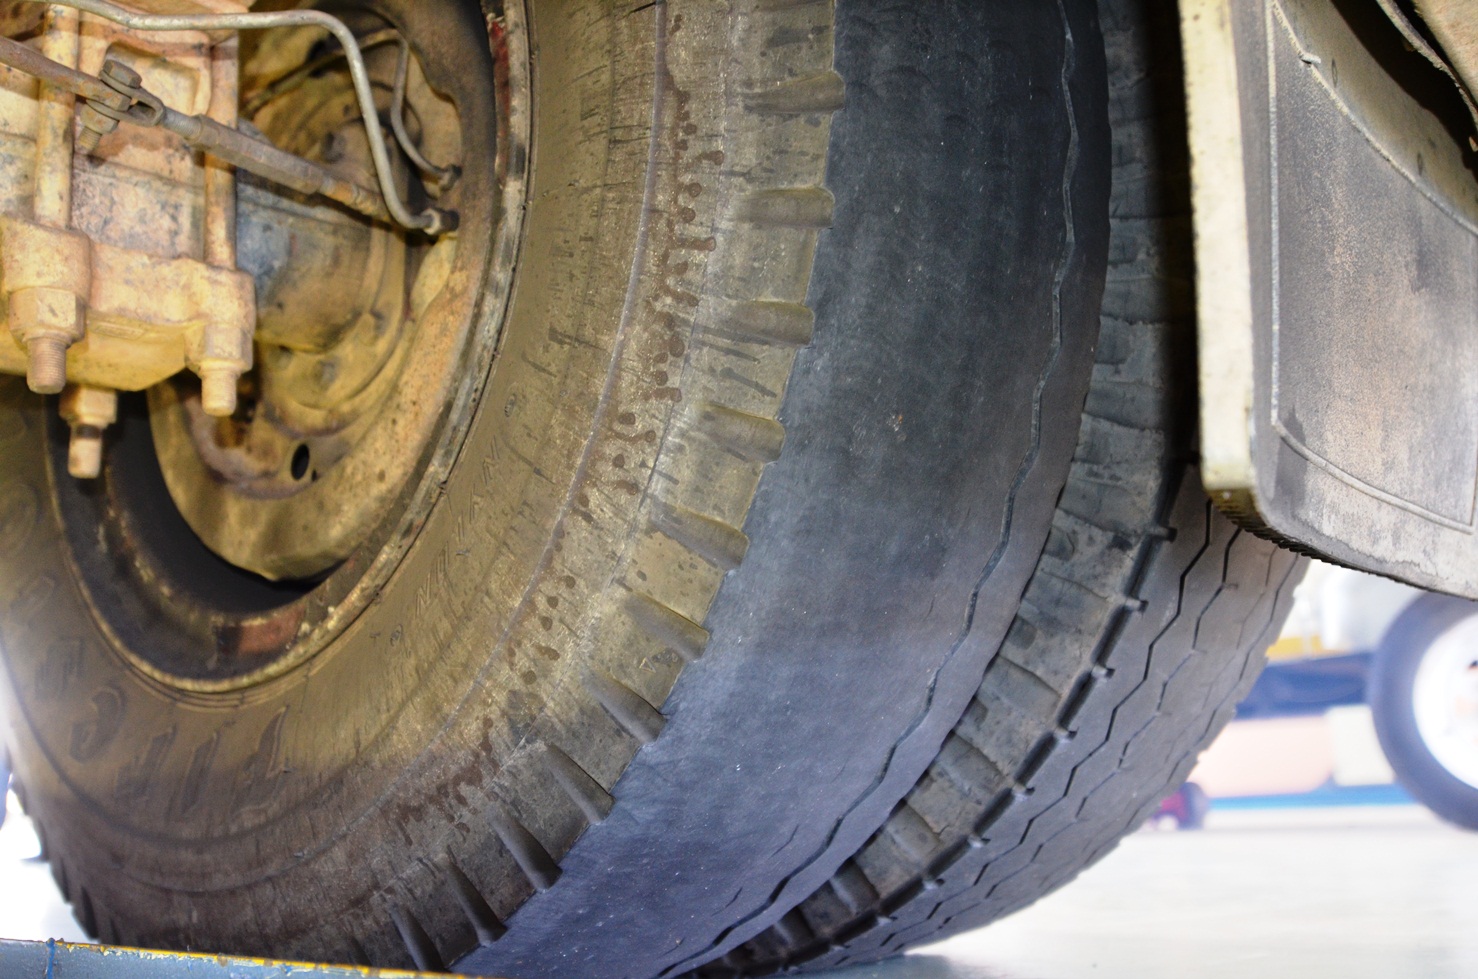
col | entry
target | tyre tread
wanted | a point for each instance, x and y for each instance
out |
(1146, 604)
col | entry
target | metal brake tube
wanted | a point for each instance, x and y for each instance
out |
(432, 220)
(297, 76)
(444, 176)
(125, 101)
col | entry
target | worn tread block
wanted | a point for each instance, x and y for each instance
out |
(996, 730)
(485, 924)
(747, 436)
(940, 799)
(913, 834)
(970, 770)
(853, 888)
(588, 795)
(790, 207)
(826, 92)
(668, 626)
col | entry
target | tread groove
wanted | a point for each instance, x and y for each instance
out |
(639, 719)
(584, 791)
(417, 943)
(535, 862)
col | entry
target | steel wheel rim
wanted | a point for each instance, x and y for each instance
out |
(1445, 701)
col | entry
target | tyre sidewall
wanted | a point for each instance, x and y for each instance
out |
(232, 823)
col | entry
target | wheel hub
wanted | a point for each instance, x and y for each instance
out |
(356, 339)
(1445, 701)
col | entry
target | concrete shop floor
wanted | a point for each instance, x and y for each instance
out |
(1379, 891)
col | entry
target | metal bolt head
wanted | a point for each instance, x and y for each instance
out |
(83, 404)
(119, 75)
(47, 322)
(42, 311)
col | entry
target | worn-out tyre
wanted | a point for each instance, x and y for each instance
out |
(1143, 624)
(623, 702)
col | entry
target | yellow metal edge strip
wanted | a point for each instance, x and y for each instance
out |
(1223, 265)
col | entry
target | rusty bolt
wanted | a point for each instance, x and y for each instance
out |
(120, 76)
(89, 411)
(46, 321)
(100, 117)
(95, 126)
(46, 364)
(85, 452)
(218, 390)
(222, 352)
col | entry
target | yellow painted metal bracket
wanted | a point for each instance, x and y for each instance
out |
(64, 960)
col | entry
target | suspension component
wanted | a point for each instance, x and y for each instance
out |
(216, 140)
(136, 277)
(46, 277)
(200, 132)
(92, 294)
(137, 319)
(100, 115)
(45, 299)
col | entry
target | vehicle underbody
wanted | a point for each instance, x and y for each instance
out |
(550, 486)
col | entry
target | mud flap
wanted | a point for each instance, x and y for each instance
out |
(1336, 227)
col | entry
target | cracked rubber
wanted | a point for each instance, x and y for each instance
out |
(1143, 625)
(781, 411)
